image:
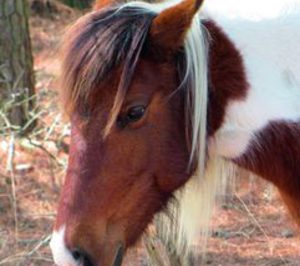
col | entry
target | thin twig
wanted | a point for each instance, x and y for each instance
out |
(41, 147)
(39, 245)
(32, 120)
(10, 169)
(52, 127)
(271, 246)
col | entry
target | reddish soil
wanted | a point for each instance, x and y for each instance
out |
(251, 228)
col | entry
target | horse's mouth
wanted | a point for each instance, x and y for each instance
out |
(117, 259)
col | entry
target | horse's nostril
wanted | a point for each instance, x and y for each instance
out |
(76, 255)
(81, 258)
(87, 262)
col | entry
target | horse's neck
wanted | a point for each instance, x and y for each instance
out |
(260, 117)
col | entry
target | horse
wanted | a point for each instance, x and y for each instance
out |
(164, 99)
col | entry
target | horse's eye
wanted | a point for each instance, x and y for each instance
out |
(135, 113)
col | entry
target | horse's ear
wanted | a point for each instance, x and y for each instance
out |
(169, 28)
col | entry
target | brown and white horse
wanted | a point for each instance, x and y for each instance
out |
(160, 98)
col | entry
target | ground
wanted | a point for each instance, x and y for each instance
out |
(251, 228)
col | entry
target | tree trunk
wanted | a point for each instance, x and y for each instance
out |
(16, 67)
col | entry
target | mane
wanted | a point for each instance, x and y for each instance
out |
(99, 42)
(115, 36)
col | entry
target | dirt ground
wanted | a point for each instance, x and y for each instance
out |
(251, 228)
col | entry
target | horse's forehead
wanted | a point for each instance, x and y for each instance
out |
(149, 77)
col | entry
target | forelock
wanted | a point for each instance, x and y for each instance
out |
(96, 44)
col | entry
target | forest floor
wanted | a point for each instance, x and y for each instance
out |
(252, 228)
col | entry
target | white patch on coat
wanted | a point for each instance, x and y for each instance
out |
(271, 55)
(61, 255)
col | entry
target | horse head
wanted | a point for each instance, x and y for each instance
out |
(130, 147)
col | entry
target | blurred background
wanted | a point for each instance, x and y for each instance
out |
(252, 227)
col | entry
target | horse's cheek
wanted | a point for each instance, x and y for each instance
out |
(172, 171)
(171, 183)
